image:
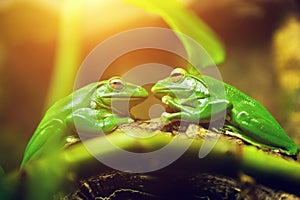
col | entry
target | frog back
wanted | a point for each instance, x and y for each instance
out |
(242, 102)
(237, 98)
(63, 107)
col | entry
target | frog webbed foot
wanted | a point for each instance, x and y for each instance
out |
(167, 118)
(166, 99)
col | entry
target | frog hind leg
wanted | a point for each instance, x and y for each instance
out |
(263, 132)
(46, 140)
(236, 132)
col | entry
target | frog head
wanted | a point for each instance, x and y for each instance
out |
(180, 84)
(117, 94)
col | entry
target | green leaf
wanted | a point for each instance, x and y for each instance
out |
(180, 19)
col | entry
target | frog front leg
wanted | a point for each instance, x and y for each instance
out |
(205, 108)
(92, 120)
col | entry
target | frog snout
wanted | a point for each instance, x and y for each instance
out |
(140, 92)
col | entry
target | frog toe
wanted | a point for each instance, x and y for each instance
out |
(130, 120)
(165, 118)
(166, 99)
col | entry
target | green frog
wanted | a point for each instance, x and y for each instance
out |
(99, 106)
(192, 100)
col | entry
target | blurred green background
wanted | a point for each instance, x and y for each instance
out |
(261, 39)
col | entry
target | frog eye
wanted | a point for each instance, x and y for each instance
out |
(177, 74)
(116, 84)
